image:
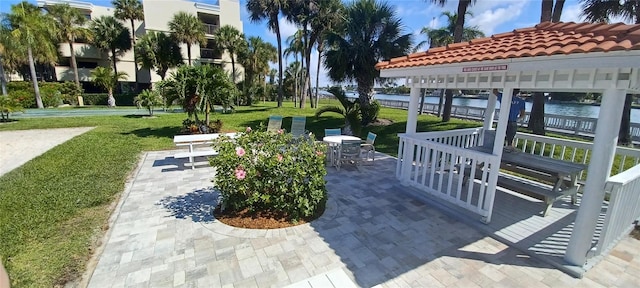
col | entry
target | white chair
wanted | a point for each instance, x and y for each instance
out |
(298, 124)
(349, 151)
(368, 148)
(275, 123)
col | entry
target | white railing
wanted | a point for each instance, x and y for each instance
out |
(429, 161)
(567, 124)
(623, 210)
(574, 151)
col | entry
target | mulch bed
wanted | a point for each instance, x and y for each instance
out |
(258, 219)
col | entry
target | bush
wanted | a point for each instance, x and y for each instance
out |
(200, 127)
(373, 111)
(24, 97)
(266, 171)
(70, 93)
(95, 98)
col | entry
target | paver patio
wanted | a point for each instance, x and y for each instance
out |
(373, 233)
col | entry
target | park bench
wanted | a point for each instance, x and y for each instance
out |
(199, 145)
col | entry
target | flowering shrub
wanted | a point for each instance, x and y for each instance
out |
(266, 171)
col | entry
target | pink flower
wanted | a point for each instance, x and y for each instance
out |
(240, 174)
(280, 131)
(319, 153)
(248, 129)
(239, 151)
(279, 157)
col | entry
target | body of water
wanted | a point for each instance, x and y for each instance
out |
(580, 110)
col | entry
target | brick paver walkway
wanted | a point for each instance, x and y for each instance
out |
(372, 234)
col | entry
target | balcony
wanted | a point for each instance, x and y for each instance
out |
(206, 53)
(210, 28)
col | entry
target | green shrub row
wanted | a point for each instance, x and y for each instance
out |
(52, 93)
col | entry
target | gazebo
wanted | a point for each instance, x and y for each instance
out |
(550, 57)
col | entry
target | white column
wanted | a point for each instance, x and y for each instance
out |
(604, 145)
(503, 118)
(490, 111)
(412, 118)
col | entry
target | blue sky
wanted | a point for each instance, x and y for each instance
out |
(490, 16)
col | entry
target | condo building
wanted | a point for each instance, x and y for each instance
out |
(157, 14)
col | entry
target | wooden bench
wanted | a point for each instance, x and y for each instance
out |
(199, 145)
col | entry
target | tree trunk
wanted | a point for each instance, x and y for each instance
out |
(448, 102)
(536, 117)
(189, 53)
(440, 101)
(546, 11)
(302, 79)
(279, 39)
(295, 84)
(34, 78)
(111, 102)
(74, 65)
(307, 79)
(462, 11)
(364, 88)
(557, 11)
(3, 80)
(624, 136)
(207, 109)
(318, 75)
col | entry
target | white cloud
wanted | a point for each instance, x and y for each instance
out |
(491, 16)
(434, 23)
(571, 13)
(286, 29)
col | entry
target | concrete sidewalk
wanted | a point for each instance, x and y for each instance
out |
(372, 234)
(19, 146)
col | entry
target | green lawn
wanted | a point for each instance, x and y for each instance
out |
(55, 207)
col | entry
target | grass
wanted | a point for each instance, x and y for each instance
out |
(56, 206)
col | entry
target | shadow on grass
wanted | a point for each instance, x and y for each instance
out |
(252, 110)
(161, 132)
(197, 205)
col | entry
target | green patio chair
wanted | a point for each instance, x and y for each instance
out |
(368, 148)
(349, 152)
(298, 124)
(275, 123)
(332, 132)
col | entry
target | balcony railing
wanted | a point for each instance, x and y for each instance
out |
(207, 53)
(210, 28)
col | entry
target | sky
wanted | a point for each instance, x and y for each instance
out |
(490, 16)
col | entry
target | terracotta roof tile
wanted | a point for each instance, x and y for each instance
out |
(543, 39)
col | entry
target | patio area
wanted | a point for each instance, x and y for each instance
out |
(374, 232)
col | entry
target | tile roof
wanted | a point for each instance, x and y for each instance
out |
(544, 39)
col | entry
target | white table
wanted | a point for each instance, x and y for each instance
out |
(335, 141)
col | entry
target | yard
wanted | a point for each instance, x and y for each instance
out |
(55, 208)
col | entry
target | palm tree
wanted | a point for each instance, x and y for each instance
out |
(601, 11)
(551, 12)
(69, 26)
(350, 111)
(112, 37)
(32, 32)
(107, 79)
(327, 15)
(187, 29)
(352, 55)
(158, 51)
(270, 10)
(255, 59)
(444, 35)
(213, 87)
(296, 46)
(4, 42)
(129, 10)
(230, 39)
(148, 98)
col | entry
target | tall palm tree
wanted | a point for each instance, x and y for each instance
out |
(213, 87)
(107, 79)
(159, 51)
(230, 39)
(129, 10)
(270, 10)
(70, 26)
(296, 46)
(112, 37)
(352, 54)
(188, 29)
(602, 11)
(32, 32)
(4, 42)
(255, 59)
(328, 14)
(550, 11)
